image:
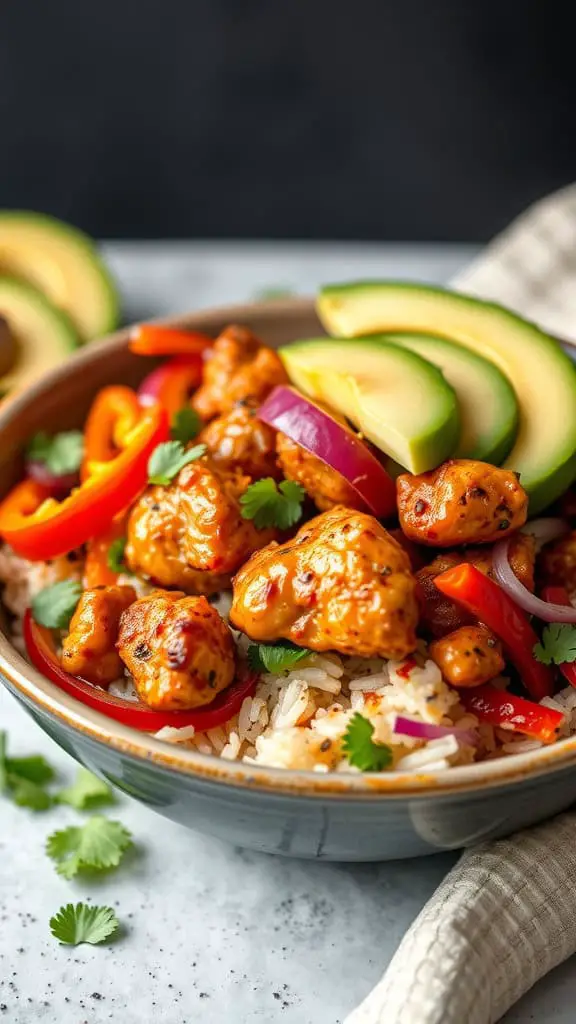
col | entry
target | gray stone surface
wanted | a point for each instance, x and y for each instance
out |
(213, 934)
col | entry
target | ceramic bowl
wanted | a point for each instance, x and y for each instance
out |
(302, 814)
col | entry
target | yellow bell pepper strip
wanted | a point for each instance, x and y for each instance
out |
(39, 528)
(113, 415)
(152, 340)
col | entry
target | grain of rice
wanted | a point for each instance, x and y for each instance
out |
(232, 749)
(333, 668)
(374, 681)
(171, 735)
(217, 738)
(521, 746)
(434, 749)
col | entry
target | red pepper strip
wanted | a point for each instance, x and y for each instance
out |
(52, 528)
(505, 709)
(113, 415)
(488, 603)
(558, 595)
(172, 383)
(150, 340)
(41, 651)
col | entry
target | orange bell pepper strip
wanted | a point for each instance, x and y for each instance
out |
(497, 707)
(39, 528)
(152, 340)
(488, 603)
(97, 572)
(113, 415)
(172, 383)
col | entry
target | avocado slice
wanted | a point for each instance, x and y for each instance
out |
(542, 375)
(43, 335)
(398, 400)
(63, 263)
(488, 406)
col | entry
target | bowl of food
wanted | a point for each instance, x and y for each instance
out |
(299, 574)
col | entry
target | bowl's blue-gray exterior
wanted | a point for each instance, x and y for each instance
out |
(327, 827)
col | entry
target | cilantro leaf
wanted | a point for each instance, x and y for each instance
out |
(23, 779)
(54, 606)
(275, 657)
(87, 792)
(168, 459)
(3, 769)
(558, 644)
(115, 556)
(61, 454)
(78, 923)
(33, 769)
(186, 424)
(270, 505)
(28, 794)
(96, 846)
(360, 748)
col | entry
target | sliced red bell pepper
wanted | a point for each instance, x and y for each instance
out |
(151, 340)
(488, 603)
(42, 653)
(497, 707)
(558, 595)
(172, 383)
(113, 415)
(39, 529)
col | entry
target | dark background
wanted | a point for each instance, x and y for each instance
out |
(367, 119)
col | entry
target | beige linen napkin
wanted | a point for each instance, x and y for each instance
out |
(506, 914)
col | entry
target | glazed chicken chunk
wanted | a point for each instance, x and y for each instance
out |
(342, 583)
(239, 368)
(468, 657)
(321, 482)
(89, 650)
(191, 534)
(461, 502)
(178, 649)
(238, 441)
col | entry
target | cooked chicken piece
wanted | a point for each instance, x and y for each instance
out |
(418, 556)
(325, 485)
(239, 368)
(89, 650)
(468, 657)
(178, 649)
(191, 534)
(238, 441)
(557, 563)
(461, 502)
(342, 583)
(440, 615)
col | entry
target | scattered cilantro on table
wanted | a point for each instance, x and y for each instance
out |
(61, 454)
(98, 845)
(24, 779)
(360, 748)
(186, 425)
(168, 459)
(269, 504)
(55, 605)
(275, 657)
(558, 644)
(76, 923)
(86, 792)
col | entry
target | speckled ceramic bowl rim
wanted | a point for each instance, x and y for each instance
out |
(43, 695)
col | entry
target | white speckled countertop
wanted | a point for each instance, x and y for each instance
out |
(213, 934)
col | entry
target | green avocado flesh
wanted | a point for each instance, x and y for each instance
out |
(43, 335)
(63, 264)
(542, 375)
(399, 401)
(487, 403)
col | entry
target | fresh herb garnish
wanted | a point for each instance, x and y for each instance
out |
(558, 644)
(360, 748)
(76, 923)
(268, 504)
(186, 425)
(115, 556)
(96, 846)
(86, 792)
(24, 779)
(61, 454)
(275, 657)
(168, 459)
(54, 606)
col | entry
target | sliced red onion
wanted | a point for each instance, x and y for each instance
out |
(546, 529)
(333, 443)
(427, 731)
(521, 595)
(57, 485)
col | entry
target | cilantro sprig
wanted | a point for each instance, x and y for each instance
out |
(168, 459)
(55, 605)
(61, 454)
(115, 556)
(360, 748)
(86, 792)
(275, 657)
(558, 644)
(24, 779)
(186, 425)
(98, 845)
(77, 923)
(268, 504)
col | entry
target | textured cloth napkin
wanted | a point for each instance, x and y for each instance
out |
(506, 914)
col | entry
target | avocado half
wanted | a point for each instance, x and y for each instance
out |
(542, 375)
(42, 335)
(62, 263)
